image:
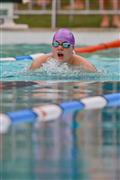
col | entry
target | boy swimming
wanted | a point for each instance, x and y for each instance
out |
(63, 44)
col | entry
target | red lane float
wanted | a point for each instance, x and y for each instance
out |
(103, 46)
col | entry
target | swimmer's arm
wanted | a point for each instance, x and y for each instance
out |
(85, 64)
(39, 61)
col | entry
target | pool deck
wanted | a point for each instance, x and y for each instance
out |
(87, 36)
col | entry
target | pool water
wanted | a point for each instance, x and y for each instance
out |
(79, 145)
(106, 62)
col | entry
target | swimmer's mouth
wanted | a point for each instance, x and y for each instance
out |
(60, 55)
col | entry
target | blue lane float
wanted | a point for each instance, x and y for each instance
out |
(72, 105)
(25, 115)
(112, 99)
(52, 111)
(22, 58)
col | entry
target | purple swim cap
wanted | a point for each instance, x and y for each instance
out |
(64, 34)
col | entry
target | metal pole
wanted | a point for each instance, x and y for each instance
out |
(71, 10)
(54, 14)
(87, 5)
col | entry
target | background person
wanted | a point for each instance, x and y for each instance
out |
(106, 18)
(78, 4)
(43, 3)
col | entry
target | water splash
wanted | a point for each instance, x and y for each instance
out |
(55, 70)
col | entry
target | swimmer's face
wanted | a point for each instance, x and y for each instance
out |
(62, 51)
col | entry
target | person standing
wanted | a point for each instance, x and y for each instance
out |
(78, 4)
(106, 18)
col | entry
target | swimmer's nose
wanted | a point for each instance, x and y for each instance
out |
(60, 47)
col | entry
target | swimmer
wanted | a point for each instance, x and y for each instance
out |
(63, 44)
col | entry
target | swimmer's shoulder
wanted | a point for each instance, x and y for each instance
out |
(78, 60)
(84, 63)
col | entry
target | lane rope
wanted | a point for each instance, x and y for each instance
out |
(22, 58)
(89, 49)
(52, 111)
(99, 47)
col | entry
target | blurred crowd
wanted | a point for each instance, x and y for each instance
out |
(104, 4)
(107, 20)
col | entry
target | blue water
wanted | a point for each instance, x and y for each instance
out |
(106, 62)
(80, 145)
(83, 145)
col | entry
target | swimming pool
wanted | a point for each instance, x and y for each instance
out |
(77, 145)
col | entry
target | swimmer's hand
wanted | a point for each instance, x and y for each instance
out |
(39, 61)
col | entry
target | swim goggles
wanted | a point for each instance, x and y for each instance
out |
(63, 44)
